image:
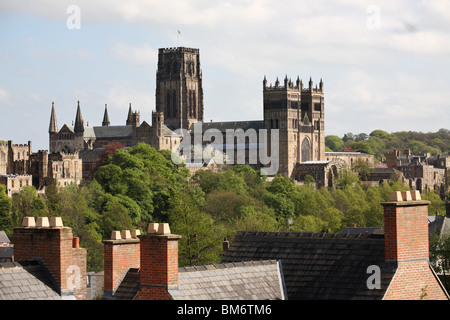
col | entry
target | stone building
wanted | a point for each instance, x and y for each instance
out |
(58, 167)
(14, 183)
(423, 172)
(293, 117)
(71, 139)
(14, 158)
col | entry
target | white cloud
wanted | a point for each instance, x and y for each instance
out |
(3, 95)
(141, 55)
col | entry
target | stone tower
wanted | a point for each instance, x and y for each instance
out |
(179, 90)
(134, 118)
(53, 127)
(78, 130)
(298, 114)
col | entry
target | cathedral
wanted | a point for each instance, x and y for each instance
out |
(294, 111)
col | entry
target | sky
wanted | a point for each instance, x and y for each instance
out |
(385, 64)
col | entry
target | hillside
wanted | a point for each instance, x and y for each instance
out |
(379, 142)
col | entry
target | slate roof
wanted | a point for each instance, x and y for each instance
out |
(129, 287)
(4, 238)
(253, 280)
(7, 252)
(113, 131)
(318, 266)
(439, 226)
(25, 281)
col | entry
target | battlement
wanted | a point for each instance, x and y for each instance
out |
(291, 86)
(178, 50)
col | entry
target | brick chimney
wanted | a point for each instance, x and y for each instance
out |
(121, 253)
(159, 262)
(406, 227)
(407, 250)
(50, 243)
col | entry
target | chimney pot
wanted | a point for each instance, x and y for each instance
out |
(396, 196)
(406, 195)
(153, 228)
(163, 228)
(28, 222)
(135, 233)
(76, 242)
(126, 234)
(115, 235)
(56, 222)
(42, 222)
(416, 195)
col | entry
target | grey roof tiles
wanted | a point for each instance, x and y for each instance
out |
(25, 281)
(317, 266)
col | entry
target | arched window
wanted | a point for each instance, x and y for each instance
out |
(306, 150)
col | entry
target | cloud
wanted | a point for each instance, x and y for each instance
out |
(141, 55)
(3, 95)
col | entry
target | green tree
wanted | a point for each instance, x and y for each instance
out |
(201, 236)
(362, 169)
(5, 211)
(27, 203)
(334, 143)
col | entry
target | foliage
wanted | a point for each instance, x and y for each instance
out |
(379, 142)
(440, 257)
(140, 185)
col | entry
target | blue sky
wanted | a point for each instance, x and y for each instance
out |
(385, 64)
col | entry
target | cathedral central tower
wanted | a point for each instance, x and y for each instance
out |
(179, 91)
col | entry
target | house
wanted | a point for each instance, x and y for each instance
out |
(390, 266)
(48, 263)
(145, 267)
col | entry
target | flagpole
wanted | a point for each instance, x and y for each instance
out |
(178, 38)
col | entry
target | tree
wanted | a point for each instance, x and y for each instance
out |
(110, 150)
(362, 169)
(334, 143)
(5, 211)
(361, 137)
(201, 237)
(27, 203)
(380, 134)
(440, 257)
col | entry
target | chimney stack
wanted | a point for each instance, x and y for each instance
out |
(406, 227)
(49, 242)
(406, 248)
(121, 253)
(159, 262)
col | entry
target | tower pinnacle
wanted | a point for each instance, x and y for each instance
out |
(79, 124)
(106, 122)
(53, 128)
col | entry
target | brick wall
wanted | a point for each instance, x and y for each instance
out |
(53, 246)
(407, 248)
(414, 280)
(406, 230)
(79, 273)
(119, 256)
(159, 265)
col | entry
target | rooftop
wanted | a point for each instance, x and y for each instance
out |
(317, 265)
